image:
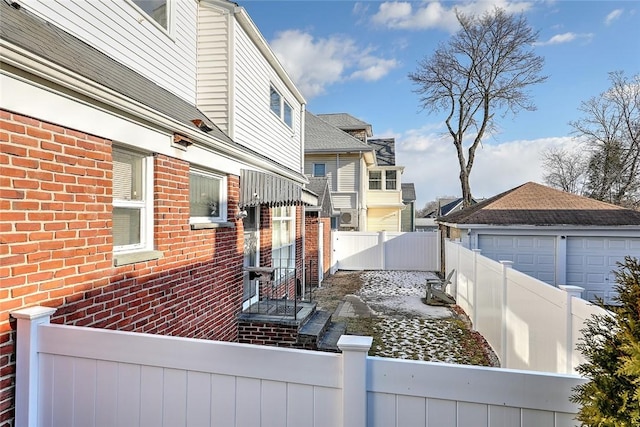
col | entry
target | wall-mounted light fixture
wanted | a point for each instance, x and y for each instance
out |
(242, 214)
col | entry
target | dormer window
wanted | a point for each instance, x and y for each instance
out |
(157, 10)
(280, 107)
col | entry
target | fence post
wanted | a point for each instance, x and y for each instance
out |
(354, 379)
(572, 291)
(474, 315)
(503, 333)
(382, 237)
(27, 362)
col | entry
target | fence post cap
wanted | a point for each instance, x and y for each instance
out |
(31, 313)
(354, 343)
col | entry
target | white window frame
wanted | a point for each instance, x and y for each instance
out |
(170, 8)
(283, 106)
(387, 180)
(145, 206)
(380, 180)
(222, 209)
(324, 169)
(289, 216)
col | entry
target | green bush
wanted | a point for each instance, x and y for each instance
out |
(611, 347)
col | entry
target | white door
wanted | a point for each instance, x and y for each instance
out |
(591, 262)
(251, 258)
(532, 255)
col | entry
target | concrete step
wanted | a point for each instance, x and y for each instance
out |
(329, 341)
(315, 326)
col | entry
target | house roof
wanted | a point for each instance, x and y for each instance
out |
(385, 150)
(536, 204)
(408, 192)
(320, 186)
(346, 121)
(321, 136)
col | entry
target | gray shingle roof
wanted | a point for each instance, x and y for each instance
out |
(345, 121)
(385, 150)
(24, 29)
(408, 192)
(321, 136)
(536, 204)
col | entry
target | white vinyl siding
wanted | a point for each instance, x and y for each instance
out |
(214, 66)
(349, 174)
(254, 124)
(116, 29)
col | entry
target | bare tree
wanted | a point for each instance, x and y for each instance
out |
(565, 170)
(611, 129)
(485, 68)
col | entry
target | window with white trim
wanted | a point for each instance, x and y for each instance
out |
(319, 169)
(375, 180)
(132, 201)
(207, 196)
(157, 10)
(391, 183)
(283, 247)
(280, 107)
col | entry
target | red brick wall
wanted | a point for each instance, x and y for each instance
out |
(56, 246)
(311, 246)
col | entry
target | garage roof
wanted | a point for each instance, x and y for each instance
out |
(536, 204)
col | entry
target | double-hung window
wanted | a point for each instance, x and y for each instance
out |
(132, 201)
(375, 180)
(391, 182)
(158, 10)
(283, 247)
(280, 107)
(207, 196)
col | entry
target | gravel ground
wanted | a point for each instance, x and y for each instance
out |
(401, 324)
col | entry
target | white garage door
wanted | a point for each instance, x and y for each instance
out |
(592, 260)
(533, 255)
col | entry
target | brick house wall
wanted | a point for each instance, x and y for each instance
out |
(56, 246)
(312, 221)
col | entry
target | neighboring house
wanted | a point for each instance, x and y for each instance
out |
(384, 191)
(557, 237)
(408, 216)
(124, 204)
(444, 206)
(343, 159)
(364, 179)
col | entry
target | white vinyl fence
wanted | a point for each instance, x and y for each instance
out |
(529, 324)
(84, 377)
(355, 250)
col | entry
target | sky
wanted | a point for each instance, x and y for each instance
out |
(355, 57)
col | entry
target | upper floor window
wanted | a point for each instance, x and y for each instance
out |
(280, 107)
(375, 180)
(391, 182)
(132, 200)
(319, 169)
(158, 10)
(207, 196)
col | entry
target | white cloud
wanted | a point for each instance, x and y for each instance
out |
(613, 16)
(433, 14)
(431, 164)
(565, 38)
(314, 64)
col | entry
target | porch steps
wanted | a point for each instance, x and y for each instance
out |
(329, 341)
(320, 332)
